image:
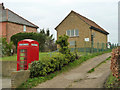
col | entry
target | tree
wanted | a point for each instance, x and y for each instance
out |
(49, 42)
(42, 31)
(47, 32)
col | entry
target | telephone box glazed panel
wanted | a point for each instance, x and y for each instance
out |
(27, 51)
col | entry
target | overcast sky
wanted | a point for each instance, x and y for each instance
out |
(49, 13)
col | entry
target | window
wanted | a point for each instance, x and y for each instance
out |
(24, 28)
(24, 44)
(34, 44)
(72, 33)
(72, 43)
(76, 33)
(68, 32)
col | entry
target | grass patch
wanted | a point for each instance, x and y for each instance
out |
(32, 82)
(93, 69)
(9, 58)
(41, 56)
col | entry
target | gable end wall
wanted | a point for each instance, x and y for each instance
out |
(74, 22)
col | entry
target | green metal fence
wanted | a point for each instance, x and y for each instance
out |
(96, 47)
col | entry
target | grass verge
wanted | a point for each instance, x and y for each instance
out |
(112, 82)
(32, 82)
(93, 69)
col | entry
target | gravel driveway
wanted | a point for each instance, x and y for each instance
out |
(79, 78)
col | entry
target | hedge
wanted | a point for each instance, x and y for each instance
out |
(41, 38)
(50, 64)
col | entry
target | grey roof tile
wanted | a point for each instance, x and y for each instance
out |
(10, 16)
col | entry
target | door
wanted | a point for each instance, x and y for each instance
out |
(23, 59)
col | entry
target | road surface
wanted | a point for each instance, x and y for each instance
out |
(79, 78)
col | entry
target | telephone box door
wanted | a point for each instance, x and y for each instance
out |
(22, 59)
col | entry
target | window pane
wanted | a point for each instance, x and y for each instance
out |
(72, 43)
(22, 58)
(72, 32)
(76, 33)
(22, 54)
(24, 28)
(68, 32)
(23, 50)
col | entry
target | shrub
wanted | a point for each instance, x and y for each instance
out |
(35, 36)
(63, 43)
(6, 47)
(49, 65)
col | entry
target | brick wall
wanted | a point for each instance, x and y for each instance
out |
(13, 28)
(3, 29)
(74, 22)
(115, 62)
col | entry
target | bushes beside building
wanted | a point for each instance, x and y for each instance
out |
(48, 65)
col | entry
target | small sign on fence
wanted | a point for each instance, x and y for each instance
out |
(86, 39)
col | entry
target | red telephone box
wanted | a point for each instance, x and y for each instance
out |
(27, 51)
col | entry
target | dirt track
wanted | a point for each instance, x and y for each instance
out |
(79, 78)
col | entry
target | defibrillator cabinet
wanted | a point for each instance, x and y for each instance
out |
(27, 52)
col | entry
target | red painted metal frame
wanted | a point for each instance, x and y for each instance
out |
(32, 48)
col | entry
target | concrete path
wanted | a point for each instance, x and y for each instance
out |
(6, 82)
(79, 78)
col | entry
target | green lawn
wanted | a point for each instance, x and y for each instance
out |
(41, 55)
(10, 58)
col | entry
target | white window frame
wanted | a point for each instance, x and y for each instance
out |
(74, 35)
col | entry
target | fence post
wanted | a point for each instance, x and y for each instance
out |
(84, 46)
(106, 46)
(92, 47)
(76, 50)
(98, 47)
(102, 47)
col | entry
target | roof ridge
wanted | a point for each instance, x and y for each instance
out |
(81, 15)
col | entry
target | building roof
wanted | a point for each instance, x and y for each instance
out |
(10, 16)
(89, 22)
